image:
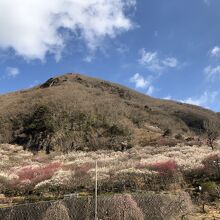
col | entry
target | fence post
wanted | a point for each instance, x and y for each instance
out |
(96, 190)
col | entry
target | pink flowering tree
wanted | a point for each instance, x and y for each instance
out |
(163, 168)
(31, 175)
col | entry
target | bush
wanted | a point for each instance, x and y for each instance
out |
(165, 141)
(138, 117)
(41, 120)
(123, 207)
(29, 176)
(211, 188)
(164, 168)
(179, 137)
(167, 132)
(212, 166)
(57, 211)
(33, 130)
(116, 130)
(192, 120)
(212, 130)
(210, 192)
(167, 167)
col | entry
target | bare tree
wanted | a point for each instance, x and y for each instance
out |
(212, 130)
(57, 211)
(121, 207)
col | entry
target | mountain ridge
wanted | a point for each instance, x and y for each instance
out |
(75, 112)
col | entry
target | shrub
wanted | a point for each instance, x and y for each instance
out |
(211, 188)
(170, 166)
(116, 130)
(194, 143)
(167, 132)
(192, 120)
(33, 128)
(30, 175)
(80, 174)
(57, 211)
(3, 183)
(120, 207)
(83, 169)
(194, 174)
(165, 141)
(212, 130)
(210, 192)
(212, 165)
(163, 168)
(138, 117)
(179, 137)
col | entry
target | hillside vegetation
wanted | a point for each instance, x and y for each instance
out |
(75, 112)
(140, 183)
(157, 159)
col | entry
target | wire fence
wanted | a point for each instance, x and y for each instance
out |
(138, 206)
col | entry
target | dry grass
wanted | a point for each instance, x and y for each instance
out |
(104, 105)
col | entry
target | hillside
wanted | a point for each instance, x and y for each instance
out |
(76, 112)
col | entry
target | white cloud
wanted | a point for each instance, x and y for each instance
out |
(150, 60)
(205, 99)
(215, 52)
(150, 90)
(12, 71)
(143, 83)
(122, 49)
(88, 58)
(170, 62)
(140, 81)
(32, 27)
(167, 97)
(154, 63)
(212, 72)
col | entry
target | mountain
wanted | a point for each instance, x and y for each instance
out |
(76, 112)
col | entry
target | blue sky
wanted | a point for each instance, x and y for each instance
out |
(166, 49)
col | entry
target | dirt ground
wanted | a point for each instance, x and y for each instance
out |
(212, 213)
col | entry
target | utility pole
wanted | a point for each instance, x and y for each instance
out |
(96, 190)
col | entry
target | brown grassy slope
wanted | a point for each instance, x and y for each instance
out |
(73, 111)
